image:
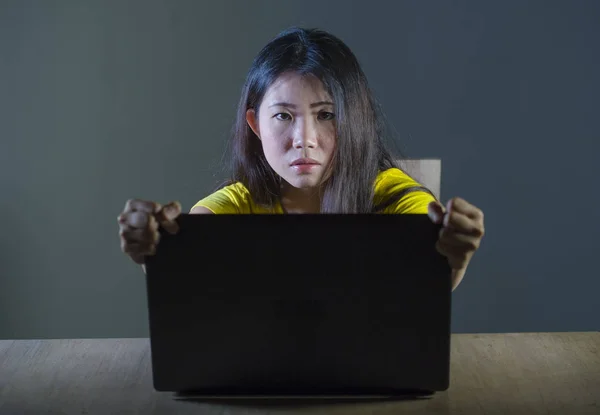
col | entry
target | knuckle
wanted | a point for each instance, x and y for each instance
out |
(139, 219)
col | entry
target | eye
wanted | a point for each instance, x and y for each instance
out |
(283, 116)
(326, 116)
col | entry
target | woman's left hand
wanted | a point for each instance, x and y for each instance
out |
(461, 233)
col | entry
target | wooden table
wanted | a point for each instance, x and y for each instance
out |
(542, 373)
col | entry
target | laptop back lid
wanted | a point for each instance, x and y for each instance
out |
(300, 304)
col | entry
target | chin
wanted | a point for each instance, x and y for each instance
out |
(304, 182)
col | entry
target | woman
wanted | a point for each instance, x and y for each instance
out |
(309, 138)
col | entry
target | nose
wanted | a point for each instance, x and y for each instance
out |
(305, 135)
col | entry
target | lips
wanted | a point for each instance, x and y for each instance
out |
(304, 161)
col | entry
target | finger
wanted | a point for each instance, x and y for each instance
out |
(167, 215)
(172, 210)
(137, 249)
(133, 236)
(460, 205)
(466, 243)
(462, 223)
(134, 205)
(436, 211)
(135, 219)
(138, 259)
(456, 257)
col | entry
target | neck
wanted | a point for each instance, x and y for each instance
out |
(296, 200)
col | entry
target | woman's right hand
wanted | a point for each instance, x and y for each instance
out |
(139, 224)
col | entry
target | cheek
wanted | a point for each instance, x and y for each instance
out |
(329, 141)
(272, 136)
(274, 146)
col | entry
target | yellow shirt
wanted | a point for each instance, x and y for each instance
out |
(235, 198)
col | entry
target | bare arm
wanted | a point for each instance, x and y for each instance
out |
(201, 210)
(198, 210)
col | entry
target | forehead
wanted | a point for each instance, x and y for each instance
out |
(295, 87)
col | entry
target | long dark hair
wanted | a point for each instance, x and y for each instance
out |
(360, 152)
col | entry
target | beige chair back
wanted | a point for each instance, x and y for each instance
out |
(428, 172)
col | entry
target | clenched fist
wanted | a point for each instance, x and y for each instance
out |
(139, 226)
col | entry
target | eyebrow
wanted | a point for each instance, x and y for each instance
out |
(313, 105)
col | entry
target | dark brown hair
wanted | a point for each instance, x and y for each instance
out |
(360, 151)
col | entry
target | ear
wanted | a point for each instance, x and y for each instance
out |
(253, 122)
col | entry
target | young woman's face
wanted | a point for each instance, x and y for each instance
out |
(296, 125)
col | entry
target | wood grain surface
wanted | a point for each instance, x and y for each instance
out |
(525, 373)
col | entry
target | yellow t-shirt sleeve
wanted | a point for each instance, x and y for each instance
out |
(414, 202)
(393, 181)
(232, 199)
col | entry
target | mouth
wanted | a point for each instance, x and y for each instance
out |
(305, 162)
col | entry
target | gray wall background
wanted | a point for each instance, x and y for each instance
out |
(102, 101)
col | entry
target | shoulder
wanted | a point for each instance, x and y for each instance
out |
(234, 198)
(393, 180)
(393, 176)
(397, 192)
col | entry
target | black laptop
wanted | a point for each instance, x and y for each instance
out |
(300, 305)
